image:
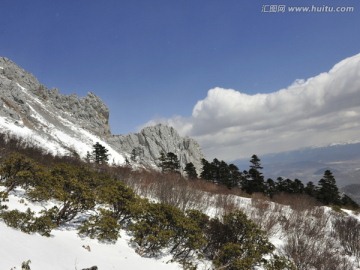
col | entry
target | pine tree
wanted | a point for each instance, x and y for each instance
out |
(235, 176)
(169, 162)
(206, 173)
(100, 155)
(328, 192)
(348, 202)
(310, 189)
(270, 187)
(223, 174)
(191, 171)
(254, 181)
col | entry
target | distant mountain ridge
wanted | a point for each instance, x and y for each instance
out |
(309, 164)
(63, 123)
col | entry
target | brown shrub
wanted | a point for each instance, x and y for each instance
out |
(299, 202)
(347, 230)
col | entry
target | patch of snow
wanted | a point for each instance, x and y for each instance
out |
(64, 250)
(32, 137)
(81, 140)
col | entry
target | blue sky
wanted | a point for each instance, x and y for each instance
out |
(152, 59)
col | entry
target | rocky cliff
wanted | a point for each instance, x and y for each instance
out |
(63, 123)
(146, 146)
(21, 92)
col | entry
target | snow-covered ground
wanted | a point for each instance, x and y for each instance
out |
(53, 132)
(60, 142)
(65, 250)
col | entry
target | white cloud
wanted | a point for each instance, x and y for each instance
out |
(324, 109)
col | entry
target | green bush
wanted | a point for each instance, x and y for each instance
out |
(70, 185)
(103, 227)
(18, 170)
(119, 198)
(152, 230)
(237, 242)
(279, 263)
(189, 237)
(27, 222)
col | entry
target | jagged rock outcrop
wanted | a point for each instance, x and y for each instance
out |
(68, 122)
(21, 93)
(146, 146)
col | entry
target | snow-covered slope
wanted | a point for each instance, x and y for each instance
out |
(65, 123)
(58, 123)
(65, 250)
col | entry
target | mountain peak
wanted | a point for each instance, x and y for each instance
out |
(67, 122)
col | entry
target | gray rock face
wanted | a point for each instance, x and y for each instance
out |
(62, 120)
(146, 146)
(21, 93)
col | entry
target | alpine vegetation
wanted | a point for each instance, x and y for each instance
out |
(150, 199)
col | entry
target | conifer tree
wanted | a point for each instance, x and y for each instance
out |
(206, 173)
(100, 155)
(169, 162)
(310, 189)
(254, 181)
(235, 176)
(328, 192)
(191, 171)
(270, 187)
(348, 202)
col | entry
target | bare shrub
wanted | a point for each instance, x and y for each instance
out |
(142, 182)
(309, 244)
(299, 202)
(265, 213)
(172, 189)
(169, 188)
(260, 202)
(347, 230)
(224, 205)
(308, 253)
(312, 223)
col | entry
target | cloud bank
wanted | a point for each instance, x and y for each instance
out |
(321, 110)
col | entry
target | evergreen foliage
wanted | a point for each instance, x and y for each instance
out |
(99, 154)
(118, 197)
(279, 263)
(310, 189)
(347, 202)
(153, 229)
(231, 242)
(27, 222)
(254, 179)
(17, 170)
(104, 227)
(191, 171)
(169, 163)
(328, 192)
(71, 186)
(237, 243)
(220, 172)
(206, 173)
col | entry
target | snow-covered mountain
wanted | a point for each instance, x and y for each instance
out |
(66, 123)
